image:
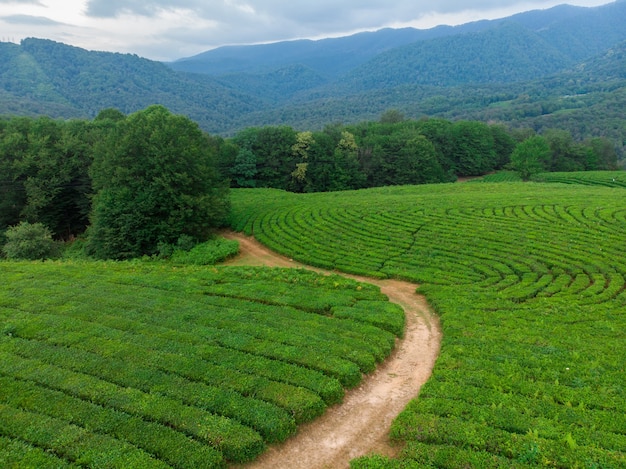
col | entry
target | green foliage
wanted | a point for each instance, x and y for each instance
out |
(44, 77)
(149, 364)
(374, 462)
(529, 282)
(500, 176)
(530, 157)
(45, 173)
(29, 241)
(155, 180)
(588, 178)
(244, 169)
(471, 148)
(492, 56)
(208, 253)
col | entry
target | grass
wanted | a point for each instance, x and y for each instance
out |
(528, 279)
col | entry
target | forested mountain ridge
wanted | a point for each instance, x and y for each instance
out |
(523, 71)
(46, 77)
(507, 53)
(577, 32)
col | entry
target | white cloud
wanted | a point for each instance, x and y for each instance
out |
(170, 29)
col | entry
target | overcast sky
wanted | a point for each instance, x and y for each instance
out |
(172, 29)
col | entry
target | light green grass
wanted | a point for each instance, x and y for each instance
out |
(528, 279)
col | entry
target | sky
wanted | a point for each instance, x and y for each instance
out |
(167, 30)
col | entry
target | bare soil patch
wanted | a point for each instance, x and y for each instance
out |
(360, 424)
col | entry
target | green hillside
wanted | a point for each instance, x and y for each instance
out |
(529, 282)
(504, 54)
(576, 32)
(43, 77)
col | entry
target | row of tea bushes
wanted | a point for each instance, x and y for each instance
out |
(529, 282)
(151, 364)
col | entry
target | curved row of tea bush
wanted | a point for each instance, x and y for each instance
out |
(529, 282)
(590, 178)
(156, 365)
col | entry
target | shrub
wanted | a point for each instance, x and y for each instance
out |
(208, 253)
(29, 241)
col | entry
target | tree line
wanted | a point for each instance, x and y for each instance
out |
(395, 150)
(135, 184)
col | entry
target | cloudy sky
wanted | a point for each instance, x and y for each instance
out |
(172, 29)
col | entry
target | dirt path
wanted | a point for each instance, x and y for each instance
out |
(360, 425)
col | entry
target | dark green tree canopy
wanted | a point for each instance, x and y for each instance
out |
(155, 180)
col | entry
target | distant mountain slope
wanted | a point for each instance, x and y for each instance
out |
(504, 54)
(588, 100)
(565, 63)
(522, 47)
(328, 57)
(581, 33)
(577, 32)
(46, 77)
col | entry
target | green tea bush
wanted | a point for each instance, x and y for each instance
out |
(16, 453)
(587, 178)
(207, 253)
(157, 357)
(29, 241)
(529, 281)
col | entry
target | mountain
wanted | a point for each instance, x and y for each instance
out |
(520, 69)
(327, 57)
(578, 32)
(503, 54)
(46, 77)
(522, 47)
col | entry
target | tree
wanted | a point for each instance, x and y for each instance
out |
(472, 148)
(504, 145)
(531, 156)
(603, 154)
(566, 154)
(419, 163)
(111, 114)
(436, 131)
(28, 241)
(300, 152)
(346, 155)
(274, 157)
(392, 116)
(13, 148)
(155, 181)
(243, 170)
(57, 185)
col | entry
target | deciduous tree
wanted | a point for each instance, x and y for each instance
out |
(155, 180)
(531, 156)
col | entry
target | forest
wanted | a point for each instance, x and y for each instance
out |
(139, 182)
(393, 151)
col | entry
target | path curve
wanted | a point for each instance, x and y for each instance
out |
(360, 424)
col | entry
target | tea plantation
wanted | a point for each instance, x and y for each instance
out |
(529, 282)
(135, 364)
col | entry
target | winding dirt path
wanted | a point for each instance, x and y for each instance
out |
(360, 424)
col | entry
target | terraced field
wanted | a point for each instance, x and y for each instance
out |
(153, 365)
(529, 281)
